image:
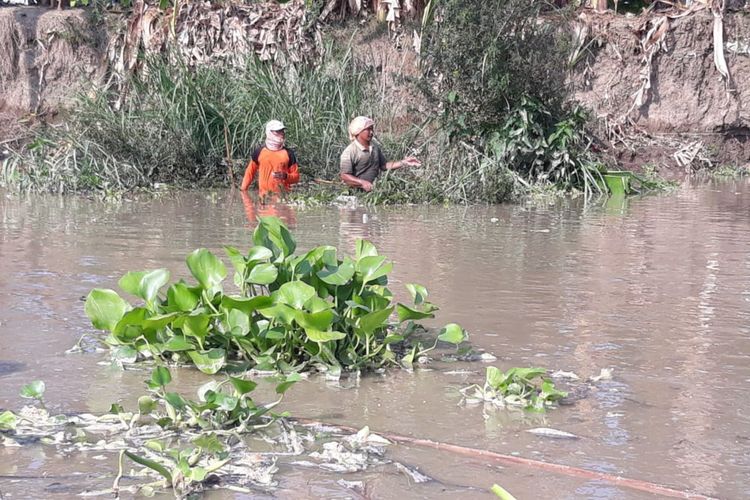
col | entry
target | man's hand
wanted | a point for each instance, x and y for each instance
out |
(365, 185)
(411, 161)
(279, 175)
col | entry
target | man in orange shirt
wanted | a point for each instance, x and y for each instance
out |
(275, 164)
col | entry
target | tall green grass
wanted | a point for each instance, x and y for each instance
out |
(179, 125)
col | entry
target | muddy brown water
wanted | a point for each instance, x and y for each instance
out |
(655, 288)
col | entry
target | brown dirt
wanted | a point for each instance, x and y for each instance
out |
(688, 100)
(46, 55)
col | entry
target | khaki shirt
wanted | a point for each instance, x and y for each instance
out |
(362, 163)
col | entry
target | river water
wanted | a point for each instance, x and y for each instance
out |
(657, 289)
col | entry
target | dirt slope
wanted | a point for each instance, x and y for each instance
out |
(45, 57)
(687, 94)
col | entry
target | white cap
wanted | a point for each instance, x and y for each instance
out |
(275, 125)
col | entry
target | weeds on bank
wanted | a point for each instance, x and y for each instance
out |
(184, 126)
(293, 311)
(730, 171)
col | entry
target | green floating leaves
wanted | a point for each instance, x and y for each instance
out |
(144, 284)
(151, 464)
(8, 421)
(528, 388)
(274, 235)
(338, 275)
(452, 333)
(34, 390)
(105, 308)
(418, 293)
(243, 386)
(210, 361)
(295, 294)
(124, 354)
(318, 336)
(160, 377)
(373, 267)
(263, 274)
(291, 379)
(364, 248)
(209, 442)
(291, 311)
(406, 313)
(146, 405)
(206, 268)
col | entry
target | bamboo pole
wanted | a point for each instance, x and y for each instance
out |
(567, 470)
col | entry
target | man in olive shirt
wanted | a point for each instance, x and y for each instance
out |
(362, 160)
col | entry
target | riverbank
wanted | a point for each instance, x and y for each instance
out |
(658, 127)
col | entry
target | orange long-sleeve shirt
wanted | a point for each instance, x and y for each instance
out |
(264, 163)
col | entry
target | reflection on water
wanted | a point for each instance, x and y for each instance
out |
(657, 288)
(267, 207)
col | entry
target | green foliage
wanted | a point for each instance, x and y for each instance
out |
(292, 310)
(510, 56)
(34, 390)
(8, 421)
(223, 411)
(528, 388)
(178, 125)
(502, 91)
(220, 405)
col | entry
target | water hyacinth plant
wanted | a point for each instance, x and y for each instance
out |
(292, 311)
(527, 388)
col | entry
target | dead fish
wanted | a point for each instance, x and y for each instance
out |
(552, 433)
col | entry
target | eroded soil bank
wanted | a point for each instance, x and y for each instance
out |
(686, 109)
(46, 57)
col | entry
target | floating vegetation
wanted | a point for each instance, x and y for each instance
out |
(292, 312)
(527, 388)
(190, 446)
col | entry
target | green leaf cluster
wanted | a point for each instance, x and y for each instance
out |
(529, 388)
(220, 405)
(292, 311)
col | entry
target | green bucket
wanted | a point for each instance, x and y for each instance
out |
(618, 181)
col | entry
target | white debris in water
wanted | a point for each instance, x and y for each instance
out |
(486, 357)
(364, 436)
(358, 486)
(460, 372)
(552, 433)
(253, 468)
(567, 375)
(494, 219)
(604, 374)
(9, 442)
(414, 474)
(337, 459)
